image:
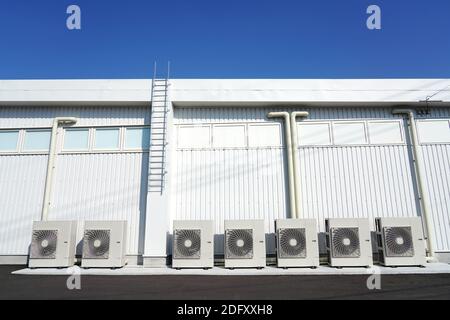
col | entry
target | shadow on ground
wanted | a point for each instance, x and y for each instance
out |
(223, 287)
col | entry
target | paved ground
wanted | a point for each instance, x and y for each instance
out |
(223, 287)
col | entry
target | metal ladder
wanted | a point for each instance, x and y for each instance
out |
(158, 132)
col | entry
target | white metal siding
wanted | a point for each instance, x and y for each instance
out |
(22, 180)
(437, 163)
(29, 117)
(230, 184)
(105, 186)
(356, 181)
(86, 186)
(366, 180)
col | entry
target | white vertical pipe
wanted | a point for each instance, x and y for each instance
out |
(423, 192)
(51, 163)
(296, 164)
(288, 139)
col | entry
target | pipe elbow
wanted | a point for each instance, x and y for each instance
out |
(66, 120)
(303, 114)
(403, 111)
(278, 114)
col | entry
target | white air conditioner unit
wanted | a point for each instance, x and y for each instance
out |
(245, 244)
(104, 244)
(297, 244)
(193, 244)
(53, 244)
(401, 241)
(348, 242)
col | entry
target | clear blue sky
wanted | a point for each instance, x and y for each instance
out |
(225, 39)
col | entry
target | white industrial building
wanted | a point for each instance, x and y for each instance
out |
(206, 149)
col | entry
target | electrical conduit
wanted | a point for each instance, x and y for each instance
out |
(296, 162)
(423, 194)
(51, 163)
(288, 138)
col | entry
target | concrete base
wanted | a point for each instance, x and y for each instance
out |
(133, 260)
(443, 257)
(156, 262)
(432, 268)
(13, 260)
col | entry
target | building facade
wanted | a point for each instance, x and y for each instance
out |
(222, 156)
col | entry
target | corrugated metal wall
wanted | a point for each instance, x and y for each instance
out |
(103, 186)
(230, 184)
(21, 193)
(337, 181)
(437, 162)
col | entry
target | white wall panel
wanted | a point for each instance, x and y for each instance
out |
(230, 184)
(314, 133)
(22, 180)
(229, 136)
(434, 131)
(363, 180)
(86, 186)
(385, 132)
(194, 136)
(264, 135)
(105, 186)
(359, 181)
(436, 159)
(29, 117)
(349, 133)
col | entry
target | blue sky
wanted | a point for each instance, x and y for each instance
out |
(225, 39)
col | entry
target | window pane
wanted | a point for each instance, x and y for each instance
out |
(37, 140)
(193, 137)
(386, 132)
(229, 136)
(137, 138)
(76, 139)
(8, 140)
(434, 131)
(264, 135)
(107, 138)
(313, 134)
(349, 133)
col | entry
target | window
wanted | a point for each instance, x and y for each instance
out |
(434, 131)
(37, 140)
(349, 133)
(229, 136)
(385, 132)
(137, 138)
(107, 139)
(262, 135)
(194, 137)
(8, 140)
(76, 139)
(314, 134)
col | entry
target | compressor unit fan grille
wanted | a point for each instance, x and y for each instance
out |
(96, 244)
(292, 243)
(44, 243)
(345, 243)
(398, 242)
(187, 244)
(239, 244)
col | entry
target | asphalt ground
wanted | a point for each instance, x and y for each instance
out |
(433, 286)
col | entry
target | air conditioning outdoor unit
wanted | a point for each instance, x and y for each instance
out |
(245, 244)
(401, 241)
(349, 242)
(193, 244)
(53, 244)
(297, 244)
(104, 244)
